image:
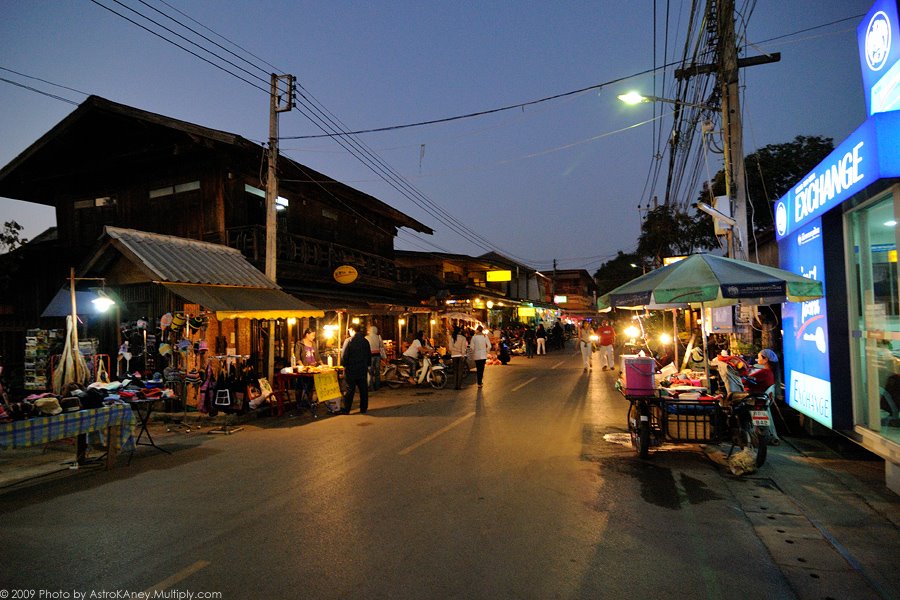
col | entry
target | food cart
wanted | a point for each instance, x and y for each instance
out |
(700, 281)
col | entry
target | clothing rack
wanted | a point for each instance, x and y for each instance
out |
(230, 360)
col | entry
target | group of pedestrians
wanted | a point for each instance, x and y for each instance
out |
(361, 355)
(602, 340)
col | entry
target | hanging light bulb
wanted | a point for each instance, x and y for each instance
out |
(102, 302)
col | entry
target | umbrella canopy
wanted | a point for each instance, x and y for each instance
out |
(705, 280)
(709, 280)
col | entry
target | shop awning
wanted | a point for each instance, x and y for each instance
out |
(234, 302)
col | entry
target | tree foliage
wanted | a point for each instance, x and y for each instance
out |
(772, 171)
(11, 236)
(667, 231)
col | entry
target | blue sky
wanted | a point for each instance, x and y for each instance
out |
(561, 179)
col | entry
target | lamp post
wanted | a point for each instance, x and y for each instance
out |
(102, 303)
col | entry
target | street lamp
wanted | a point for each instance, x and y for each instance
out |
(633, 97)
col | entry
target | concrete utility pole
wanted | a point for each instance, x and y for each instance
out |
(281, 100)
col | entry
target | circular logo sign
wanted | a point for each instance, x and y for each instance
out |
(781, 218)
(345, 274)
(878, 41)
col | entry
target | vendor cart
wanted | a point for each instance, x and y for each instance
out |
(740, 418)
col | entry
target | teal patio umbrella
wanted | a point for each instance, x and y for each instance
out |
(706, 280)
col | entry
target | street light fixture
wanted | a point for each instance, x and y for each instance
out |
(633, 97)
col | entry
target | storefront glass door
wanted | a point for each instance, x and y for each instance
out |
(875, 316)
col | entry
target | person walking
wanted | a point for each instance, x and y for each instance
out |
(540, 336)
(458, 347)
(557, 336)
(481, 345)
(607, 335)
(376, 344)
(356, 359)
(586, 344)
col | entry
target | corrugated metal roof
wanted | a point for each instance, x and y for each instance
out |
(181, 260)
(243, 300)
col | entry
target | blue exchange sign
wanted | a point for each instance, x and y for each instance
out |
(807, 370)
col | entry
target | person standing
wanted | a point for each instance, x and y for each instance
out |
(586, 344)
(607, 335)
(377, 347)
(540, 336)
(458, 347)
(356, 359)
(481, 345)
(308, 354)
(556, 335)
(529, 338)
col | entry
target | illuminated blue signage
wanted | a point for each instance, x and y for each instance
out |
(866, 156)
(807, 374)
(878, 36)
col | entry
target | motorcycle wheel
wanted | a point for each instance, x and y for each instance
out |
(640, 432)
(438, 380)
(762, 447)
(644, 439)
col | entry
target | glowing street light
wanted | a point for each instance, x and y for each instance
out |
(633, 97)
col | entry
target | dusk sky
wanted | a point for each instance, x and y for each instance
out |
(559, 179)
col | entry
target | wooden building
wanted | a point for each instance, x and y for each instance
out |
(111, 164)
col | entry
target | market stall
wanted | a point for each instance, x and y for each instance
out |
(700, 280)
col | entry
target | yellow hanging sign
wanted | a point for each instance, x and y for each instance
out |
(345, 274)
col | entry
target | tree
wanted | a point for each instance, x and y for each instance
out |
(621, 269)
(771, 172)
(10, 236)
(667, 231)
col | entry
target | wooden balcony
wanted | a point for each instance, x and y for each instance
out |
(301, 257)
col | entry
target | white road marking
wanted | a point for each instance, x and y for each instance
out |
(437, 433)
(521, 385)
(557, 364)
(167, 583)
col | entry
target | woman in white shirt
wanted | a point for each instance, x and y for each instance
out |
(377, 346)
(411, 356)
(481, 345)
(458, 347)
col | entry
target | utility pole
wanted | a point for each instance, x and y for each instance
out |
(735, 183)
(727, 69)
(281, 100)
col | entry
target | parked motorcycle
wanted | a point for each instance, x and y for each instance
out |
(397, 373)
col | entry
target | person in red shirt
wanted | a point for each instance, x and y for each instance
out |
(762, 377)
(607, 343)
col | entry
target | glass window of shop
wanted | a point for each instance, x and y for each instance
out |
(875, 314)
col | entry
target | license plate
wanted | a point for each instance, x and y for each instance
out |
(760, 418)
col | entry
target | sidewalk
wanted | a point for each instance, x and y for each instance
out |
(828, 519)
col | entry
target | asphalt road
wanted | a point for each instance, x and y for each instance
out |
(525, 488)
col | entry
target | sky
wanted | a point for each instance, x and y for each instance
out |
(562, 180)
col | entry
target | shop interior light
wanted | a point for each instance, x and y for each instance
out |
(632, 331)
(891, 223)
(665, 339)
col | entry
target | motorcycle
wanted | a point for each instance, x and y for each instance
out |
(397, 373)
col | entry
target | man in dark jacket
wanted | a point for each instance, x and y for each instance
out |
(355, 359)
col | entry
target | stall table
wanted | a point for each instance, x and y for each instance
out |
(117, 421)
(142, 409)
(287, 381)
